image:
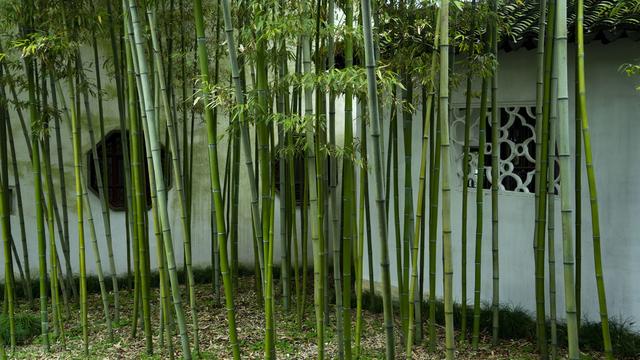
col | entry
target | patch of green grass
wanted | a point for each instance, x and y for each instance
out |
(150, 357)
(284, 346)
(206, 355)
(27, 327)
(517, 323)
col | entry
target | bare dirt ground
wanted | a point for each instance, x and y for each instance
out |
(293, 341)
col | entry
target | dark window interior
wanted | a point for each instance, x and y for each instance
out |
(115, 176)
(298, 173)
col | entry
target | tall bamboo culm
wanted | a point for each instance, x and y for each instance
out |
(465, 204)
(374, 119)
(551, 211)
(565, 179)
(545, 60)
(159, 176)
(348, 195)
(179, 180)
(540, 82)
(101, 176)
(480, 178)
(4, 219)
(446, 187)
(76, 139)
(495, 178)
(581, 100)
(314, 204)
(414, 306)
(36, 171)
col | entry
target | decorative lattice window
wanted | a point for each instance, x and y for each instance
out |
(517, 148)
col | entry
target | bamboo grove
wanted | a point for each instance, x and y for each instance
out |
(266, 83)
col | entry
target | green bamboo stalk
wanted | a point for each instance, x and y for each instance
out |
(360, 251)
(388, 165)
(244, 128)
(304, 247)
(141, 250)
(159, 176)
(64, 240)
(92, 232)
(314, 203)
(235, 170)
(235, 195)
(560, 40)
(434, 179)
(480, 177)
(6, 224)
(419, 295)
(289, 233)
(577, 188)
(49, 191)
(551, 205)
(76, 139)
(122, 99)
(541, 174)
(140, 232)
(264, 159)
(348, 194)
(446, 187)
(215, 253)
(139, 200)
(269, 350)
(367, 209)
(377, 166)
(415, 306)
(178, 179)
(433, 229)
(591, 178)
(293, 227)
(44, 131)
(25, 275)
(187, 152)
(465, 202)
(35, 168)
(101, 174)
(408, 234)
(132, 114)
(342, 306)
(85, 196)
(321, 166)
(465, 194)
(23, 235)
(260, 227)
(393, 152)
(495, 179)
(87, 204)
(540, 78)
(139, 209)
(282, 96)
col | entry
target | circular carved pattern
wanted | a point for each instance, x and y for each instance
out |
(517, 147)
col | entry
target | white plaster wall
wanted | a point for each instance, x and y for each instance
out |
(201, 225)
(613, 105)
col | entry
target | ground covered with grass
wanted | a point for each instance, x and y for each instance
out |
(294, 341)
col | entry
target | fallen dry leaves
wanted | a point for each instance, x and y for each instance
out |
(292, 341)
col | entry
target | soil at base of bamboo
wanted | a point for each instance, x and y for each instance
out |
(292, 341)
